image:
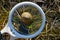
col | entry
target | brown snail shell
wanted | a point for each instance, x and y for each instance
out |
(26, 18)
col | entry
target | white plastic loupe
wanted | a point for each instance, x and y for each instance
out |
(10, 29)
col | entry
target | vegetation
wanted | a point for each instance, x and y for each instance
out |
(52, 11)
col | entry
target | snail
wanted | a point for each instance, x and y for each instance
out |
(26, 18)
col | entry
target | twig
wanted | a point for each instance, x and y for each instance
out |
(47, 11)
(4, 21)
(46, 28)
(18, 14)
(4, 9)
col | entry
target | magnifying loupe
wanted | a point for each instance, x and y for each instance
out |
(26, 20)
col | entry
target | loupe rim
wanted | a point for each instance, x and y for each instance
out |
(10, 20)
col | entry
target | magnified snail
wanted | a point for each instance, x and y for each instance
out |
(26, 20)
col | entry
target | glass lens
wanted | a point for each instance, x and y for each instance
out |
(26, 20)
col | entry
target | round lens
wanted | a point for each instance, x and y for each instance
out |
(26, 20)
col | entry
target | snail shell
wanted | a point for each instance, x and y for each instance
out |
(26, 18)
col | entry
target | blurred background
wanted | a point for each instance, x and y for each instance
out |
(51, 9)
